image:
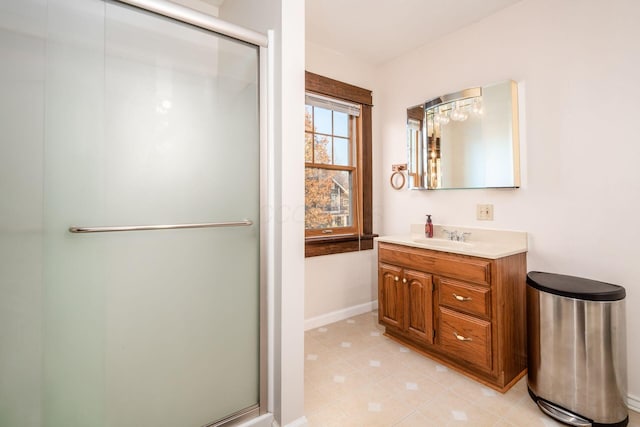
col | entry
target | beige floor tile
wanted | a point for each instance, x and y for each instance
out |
(376, 370)
(504, 423)
(355, 376)
(319, 363)
(369, 410)
(347, 346)
(436, 371)
(389, 346)
(415, 419)
(495, 402)
(363, 357)
(331, 338)
(411, 387)
(452, 410)
(371, 337)
(357, 398)
(317, 347)
(316, 401)
(338, 375)
(346, 387)
(317, 332)
(329, 416)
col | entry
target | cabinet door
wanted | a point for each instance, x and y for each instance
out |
(419, 305)
(390, 296)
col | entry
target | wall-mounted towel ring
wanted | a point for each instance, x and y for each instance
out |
(397, 183)
(398, 179)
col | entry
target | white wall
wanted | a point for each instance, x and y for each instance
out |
(578, 63)
(286, 18)
(336, 284)
(199, 5)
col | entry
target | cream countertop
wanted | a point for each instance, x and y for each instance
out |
(481, 242)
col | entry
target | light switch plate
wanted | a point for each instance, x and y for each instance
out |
(484, 212)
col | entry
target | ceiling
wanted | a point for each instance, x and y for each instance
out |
(376, 31)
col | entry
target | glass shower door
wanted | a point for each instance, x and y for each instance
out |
(149, 122)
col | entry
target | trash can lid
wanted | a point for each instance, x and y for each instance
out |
(575, 287)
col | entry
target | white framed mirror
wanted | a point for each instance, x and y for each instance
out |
(466, 139)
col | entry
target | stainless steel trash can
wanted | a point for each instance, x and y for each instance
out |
(577, 349)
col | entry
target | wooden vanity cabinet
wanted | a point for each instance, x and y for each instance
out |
(466, 312)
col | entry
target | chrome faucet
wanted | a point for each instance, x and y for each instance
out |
(463, 236)
(450, 234)
(456, 235)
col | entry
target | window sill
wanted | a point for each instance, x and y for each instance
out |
(316, 246)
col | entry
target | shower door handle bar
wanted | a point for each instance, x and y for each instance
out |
(243, 223)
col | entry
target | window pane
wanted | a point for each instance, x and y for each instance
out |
(322, 149)
(327, 198)
(340, 124)
(308, 118)
(322, 120)
(341, 151)
(308, 147)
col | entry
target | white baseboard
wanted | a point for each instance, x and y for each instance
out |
(300, 422)
(633, 402)
(338, 315)
(265, 420)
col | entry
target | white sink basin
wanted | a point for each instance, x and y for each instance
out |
(443, 243)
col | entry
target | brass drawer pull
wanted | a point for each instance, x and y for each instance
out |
(396, 278)
(460, 337)
(461, 298)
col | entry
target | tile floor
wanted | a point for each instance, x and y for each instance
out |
(354, 376)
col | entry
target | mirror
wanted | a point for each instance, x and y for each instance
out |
(467, 139)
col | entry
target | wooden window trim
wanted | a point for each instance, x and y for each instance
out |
(325, 245)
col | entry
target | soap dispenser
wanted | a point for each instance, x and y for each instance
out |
(428, 227)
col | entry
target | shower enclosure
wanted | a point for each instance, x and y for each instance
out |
(130, 242)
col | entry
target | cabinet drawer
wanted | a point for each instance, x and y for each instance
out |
(467, 268)
(465, 297)
(466, 337)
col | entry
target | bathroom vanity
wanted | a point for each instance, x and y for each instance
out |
(461, 303)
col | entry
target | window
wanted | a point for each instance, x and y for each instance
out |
(337, 167)
(331, 188)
